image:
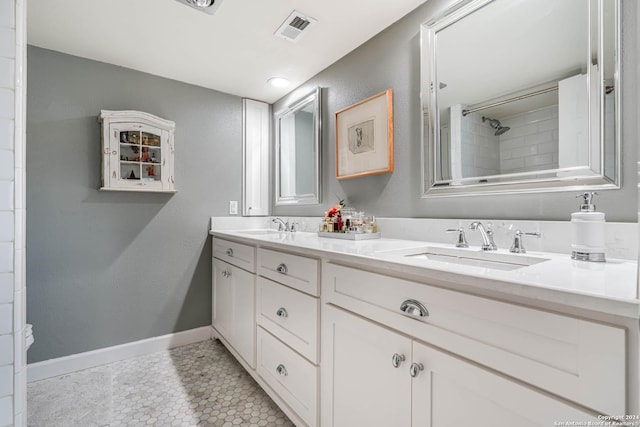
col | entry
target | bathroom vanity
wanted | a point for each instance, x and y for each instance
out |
(407, 333)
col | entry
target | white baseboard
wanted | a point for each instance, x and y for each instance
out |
(91, 359)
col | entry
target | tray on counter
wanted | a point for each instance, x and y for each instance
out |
(349, 236)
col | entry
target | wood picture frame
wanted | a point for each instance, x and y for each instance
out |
(364, 137)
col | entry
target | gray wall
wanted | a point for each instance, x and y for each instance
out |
(392, 60)
(105, 268)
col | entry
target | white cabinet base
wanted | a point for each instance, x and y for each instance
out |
(361, 384)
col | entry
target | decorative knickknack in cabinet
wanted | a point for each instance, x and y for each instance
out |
(137, 152)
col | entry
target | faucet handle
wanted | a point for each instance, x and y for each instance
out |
(518, 246)
(462, 239)
(292, 226)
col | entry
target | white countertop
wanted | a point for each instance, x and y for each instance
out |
(609, 287)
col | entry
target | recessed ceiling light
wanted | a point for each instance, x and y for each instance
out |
(207, 6)
(200, 3)
(278, 82)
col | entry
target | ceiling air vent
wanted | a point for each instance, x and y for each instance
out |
(295, 26)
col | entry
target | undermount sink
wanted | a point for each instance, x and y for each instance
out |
(261, 232)
(471, 257)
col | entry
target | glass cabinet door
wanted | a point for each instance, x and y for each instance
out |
(140, 154)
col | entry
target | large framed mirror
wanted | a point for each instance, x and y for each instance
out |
(297, 157)
(521, 96)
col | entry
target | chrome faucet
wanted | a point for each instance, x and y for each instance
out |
(487, 235)
(462, 240)
(282, 226)
(517, 246)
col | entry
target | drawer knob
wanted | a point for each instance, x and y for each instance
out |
(282, 312)
(414, 308)
(282, 268)
(226, 273)
(397, 359)
(415, 369)
(230, 252)
(281, 370)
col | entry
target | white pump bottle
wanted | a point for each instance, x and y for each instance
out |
(588, 231)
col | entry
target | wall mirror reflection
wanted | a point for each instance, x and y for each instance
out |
(297, 159)
(521, 96)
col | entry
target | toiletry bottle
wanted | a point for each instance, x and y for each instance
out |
(588, 231)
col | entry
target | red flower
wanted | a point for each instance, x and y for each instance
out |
(333, 211)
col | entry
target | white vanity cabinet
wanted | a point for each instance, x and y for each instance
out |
(233, 297)
(580, 361)
(287, 312)
(337, 340)
(137, 152)
(374, 376)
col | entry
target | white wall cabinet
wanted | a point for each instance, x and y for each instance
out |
(376, 377)
(256, 158)
(137, 152)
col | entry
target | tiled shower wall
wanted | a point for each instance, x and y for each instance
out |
(12, 214)
(480, 147)
(532, 142)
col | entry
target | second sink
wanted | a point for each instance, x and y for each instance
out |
(475, 258)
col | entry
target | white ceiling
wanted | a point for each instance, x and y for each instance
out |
(232, 51)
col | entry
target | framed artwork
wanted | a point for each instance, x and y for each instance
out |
(364, 137)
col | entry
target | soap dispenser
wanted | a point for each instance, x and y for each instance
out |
(588, 231)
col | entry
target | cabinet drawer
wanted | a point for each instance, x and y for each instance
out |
(238, 254)
(290, 375)
(289, 315)
(581, 360)
(299, 272)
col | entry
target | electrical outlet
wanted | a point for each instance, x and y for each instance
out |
(233, 207)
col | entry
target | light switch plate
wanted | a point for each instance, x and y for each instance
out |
(233, 207)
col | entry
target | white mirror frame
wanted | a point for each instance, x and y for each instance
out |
(593, 178)
(315, 197)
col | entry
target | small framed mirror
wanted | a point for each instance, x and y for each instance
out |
(521, 96)
(297, 151)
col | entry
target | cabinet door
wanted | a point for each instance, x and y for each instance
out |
(222, 315)
(139, 158)
(233, 314)
(453, 392)
(360, 385)
(256, 158)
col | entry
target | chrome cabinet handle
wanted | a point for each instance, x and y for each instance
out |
(414, 308)
(230, 252)
(282, 269)
(226, 273)
(282, 312)
(281, 370)
(415, 369)
(397, 359)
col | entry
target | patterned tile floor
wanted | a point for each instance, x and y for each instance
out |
(196, 385)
